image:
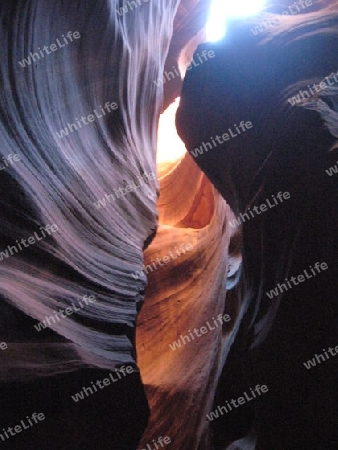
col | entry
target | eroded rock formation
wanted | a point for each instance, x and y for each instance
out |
(81, 113)
(287, 150)
(82, 119)
(186, 292)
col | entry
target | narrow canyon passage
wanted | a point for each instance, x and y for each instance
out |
(168, 215)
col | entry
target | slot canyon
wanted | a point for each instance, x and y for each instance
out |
(168, 217)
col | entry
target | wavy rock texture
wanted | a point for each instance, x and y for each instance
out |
(71, 181)
(61, 179)
(288, 149)
(184, 294)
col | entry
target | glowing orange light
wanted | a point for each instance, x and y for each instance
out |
(170, 148)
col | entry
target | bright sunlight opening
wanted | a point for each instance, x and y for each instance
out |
(221, 10)
(170, 148)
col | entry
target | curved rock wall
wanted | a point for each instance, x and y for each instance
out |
(184, 294)
(273, 101)
(79, 109)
